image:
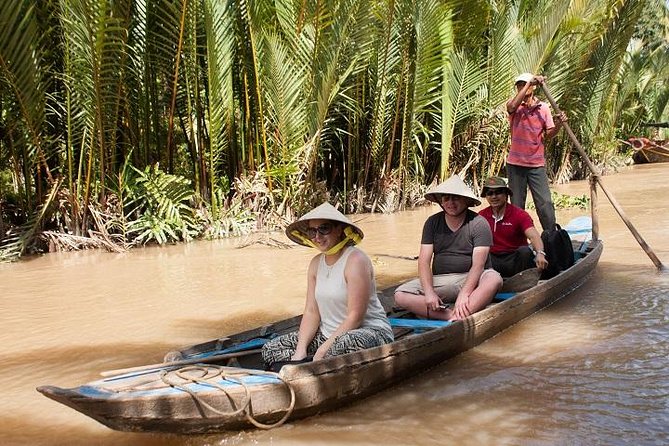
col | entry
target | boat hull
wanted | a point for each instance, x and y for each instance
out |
(647, 156)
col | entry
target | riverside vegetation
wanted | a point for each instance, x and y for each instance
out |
(132, 122)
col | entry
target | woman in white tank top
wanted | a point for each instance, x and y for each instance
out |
(342, 312)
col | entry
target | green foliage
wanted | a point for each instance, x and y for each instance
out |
(226, 217)
(23, 86)
(652, 26)
(563, 201)
(159, 207)
(21, 238)
(233, 220)
(5, 183)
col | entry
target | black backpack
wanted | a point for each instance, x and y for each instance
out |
(559, 251)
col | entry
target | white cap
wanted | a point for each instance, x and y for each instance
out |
(524, 77)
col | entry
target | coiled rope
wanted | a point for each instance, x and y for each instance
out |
(212, 373)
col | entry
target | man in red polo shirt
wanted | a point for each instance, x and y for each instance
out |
(531, 124)
(511, 228)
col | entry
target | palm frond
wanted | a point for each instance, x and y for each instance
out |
(159, 207)
(221, 64)
(464, 87)
(24, 81)
(506, 45)
(605, 58)
(385, 66)
(95, 42)
(433, 41)
(286, 109)
(18, 242)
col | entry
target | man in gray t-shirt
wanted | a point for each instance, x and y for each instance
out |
(453, 249)
(453, 263)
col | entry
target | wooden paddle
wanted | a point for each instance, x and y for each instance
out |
(164, 365)
(596, 176)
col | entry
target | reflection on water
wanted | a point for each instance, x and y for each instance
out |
(589, 370)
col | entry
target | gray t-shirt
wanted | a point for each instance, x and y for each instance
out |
(453, 250)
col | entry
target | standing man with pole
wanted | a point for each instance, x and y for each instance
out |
(597, 179)
(531, 124)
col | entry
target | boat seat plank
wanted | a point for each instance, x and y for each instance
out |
(421, 324)
(503, 296)
(580, 231)
(417, 323)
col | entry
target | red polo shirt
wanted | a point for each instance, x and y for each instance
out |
(508, 234)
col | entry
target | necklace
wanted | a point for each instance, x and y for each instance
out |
(328, 268)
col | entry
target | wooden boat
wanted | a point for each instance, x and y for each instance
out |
(228, 389)
(649, 151)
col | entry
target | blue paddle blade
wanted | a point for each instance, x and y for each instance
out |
(246, 345)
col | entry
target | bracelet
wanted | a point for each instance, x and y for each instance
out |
(541, 252)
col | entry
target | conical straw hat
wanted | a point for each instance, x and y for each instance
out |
(453, 186)
(323, 212)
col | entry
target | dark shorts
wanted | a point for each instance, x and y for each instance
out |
(512, 263)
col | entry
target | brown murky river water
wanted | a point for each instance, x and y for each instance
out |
(592, 369)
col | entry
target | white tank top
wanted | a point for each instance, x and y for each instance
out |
(332, 297)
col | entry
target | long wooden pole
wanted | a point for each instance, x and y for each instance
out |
(596, 177)
(397, 256)
(594, 206)
(162, 365)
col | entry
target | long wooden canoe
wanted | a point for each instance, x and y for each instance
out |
(649, 151)
(228, 389)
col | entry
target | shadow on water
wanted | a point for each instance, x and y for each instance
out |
(212, 329)
(79, 361)
(33, 431)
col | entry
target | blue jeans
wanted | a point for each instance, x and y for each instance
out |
(535, 177)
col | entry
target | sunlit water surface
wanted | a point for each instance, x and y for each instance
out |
(592, 369)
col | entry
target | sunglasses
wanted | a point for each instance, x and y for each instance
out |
(491, 192)
(323, 229)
